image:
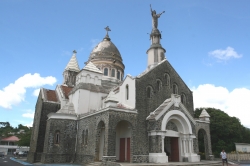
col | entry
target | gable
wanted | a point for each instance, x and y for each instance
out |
(156, 77)
(166, 106)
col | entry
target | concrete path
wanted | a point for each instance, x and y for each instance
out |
(202, 163)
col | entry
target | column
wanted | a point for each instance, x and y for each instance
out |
(189, 143)
(192, 146)
(184, 145)
(162, 144)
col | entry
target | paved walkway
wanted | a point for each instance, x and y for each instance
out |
(202, 163)
(23, 162)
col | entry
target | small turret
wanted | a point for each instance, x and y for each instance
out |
(71, 71)
(204, 116)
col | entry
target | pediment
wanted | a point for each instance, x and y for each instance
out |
(175, 100)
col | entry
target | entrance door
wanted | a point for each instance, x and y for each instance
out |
(174, 149)
(128, 149)
(124, 149)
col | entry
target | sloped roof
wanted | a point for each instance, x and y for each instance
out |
(11, 138)
(51, 95)
(66, 90)
(91, 67)
(73, 64)
(158, 110)
(149, 69)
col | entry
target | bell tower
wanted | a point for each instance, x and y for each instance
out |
(70, 72)
(156, 53)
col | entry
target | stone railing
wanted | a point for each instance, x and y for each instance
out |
(238, 156)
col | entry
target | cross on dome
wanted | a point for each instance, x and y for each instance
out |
(107, 35)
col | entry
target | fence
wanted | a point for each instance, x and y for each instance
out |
(238, 156)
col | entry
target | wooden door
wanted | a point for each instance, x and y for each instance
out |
(122, 149)
(174, 149)
(128, 149)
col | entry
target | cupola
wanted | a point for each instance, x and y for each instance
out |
(107, 58)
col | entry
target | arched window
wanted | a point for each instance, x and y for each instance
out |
(149, 92)
(159, 85)
(106, 71)
(127, 92)
(118, 75)
(175, 89)
(57, 137)
(183, 99)
(167, 78)
(113, 73)
(86, 139)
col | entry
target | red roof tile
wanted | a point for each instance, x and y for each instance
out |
(11, 138)
(66, 91)
(51, 95)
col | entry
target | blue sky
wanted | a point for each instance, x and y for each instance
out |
(207, 42)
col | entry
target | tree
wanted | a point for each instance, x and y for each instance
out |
(24, 136)
(225, 130)
(24, 139)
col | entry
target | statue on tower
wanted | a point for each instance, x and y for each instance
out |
(155, 17)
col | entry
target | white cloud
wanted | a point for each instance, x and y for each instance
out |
(29, 124)
(226, 54)
(14, 93)
(36, 92)
(28, 115)
(235, 103)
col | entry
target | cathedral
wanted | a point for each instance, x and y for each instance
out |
(98, 114)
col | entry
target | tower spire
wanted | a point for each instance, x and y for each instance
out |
(73, 64)
(156, 53)
(71, 70)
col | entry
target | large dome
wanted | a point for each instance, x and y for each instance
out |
(107, 58)
(105, 49)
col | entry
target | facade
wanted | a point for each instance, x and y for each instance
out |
(8, 145)
(98, 115)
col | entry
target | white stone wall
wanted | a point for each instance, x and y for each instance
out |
(121, 94)
(85, 101)
(86, 76)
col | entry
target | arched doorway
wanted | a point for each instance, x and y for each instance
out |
(171, 144)
(123, 141)
(203, 144)
(178, 141)
(100, 141)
